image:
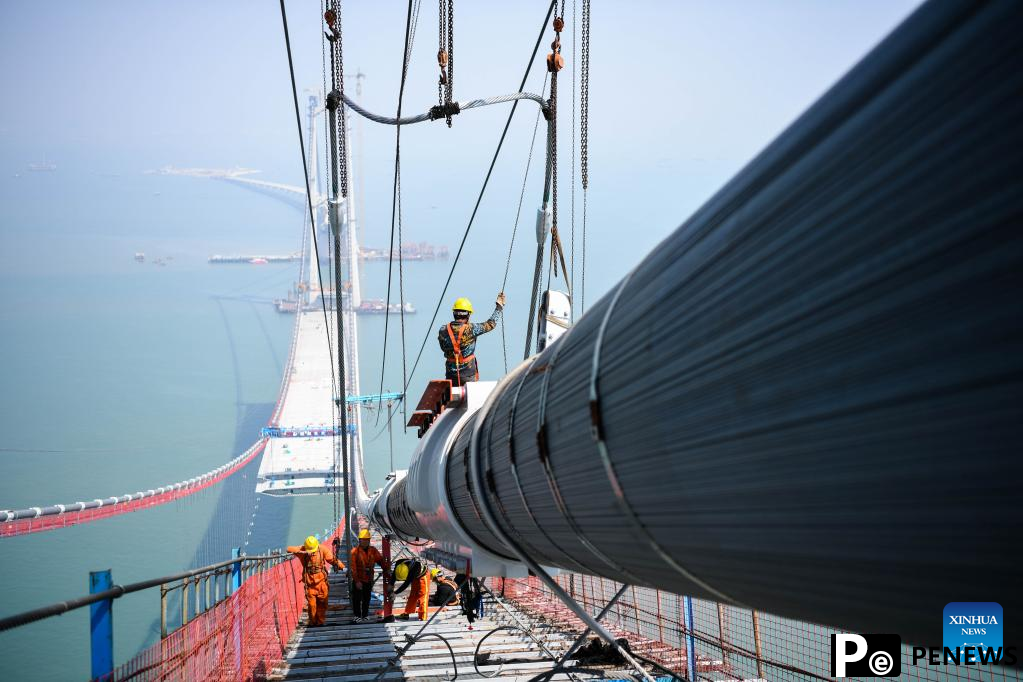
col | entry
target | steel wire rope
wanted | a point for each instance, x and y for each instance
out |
(395, 210)
(308, 192)
(515, 227)
(479, 199)
(434, 113)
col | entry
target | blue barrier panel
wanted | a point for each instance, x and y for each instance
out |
(690, 640)
(101, 625)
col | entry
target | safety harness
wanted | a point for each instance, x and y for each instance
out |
(313, 569)
(456, 345)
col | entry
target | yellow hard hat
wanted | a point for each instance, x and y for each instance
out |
(364, 534)
(463, 304)
(434, 572)
(311, 543)
(401, 572)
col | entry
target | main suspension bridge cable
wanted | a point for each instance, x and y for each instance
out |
(395, 210)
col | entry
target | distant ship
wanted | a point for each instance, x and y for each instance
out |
(140, 257)
(372, 306)
(44, 166)
(409, 251)
(376, 306)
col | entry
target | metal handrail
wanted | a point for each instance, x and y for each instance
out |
(117, 591)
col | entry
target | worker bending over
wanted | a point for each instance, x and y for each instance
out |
(413, 572)
(314, 560)
(447, 590)
(458, 341)
(360, 573)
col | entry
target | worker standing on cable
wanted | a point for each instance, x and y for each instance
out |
(360, 572)
(458, 341)
(315, 559)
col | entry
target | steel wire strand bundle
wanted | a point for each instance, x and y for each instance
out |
(823, 340)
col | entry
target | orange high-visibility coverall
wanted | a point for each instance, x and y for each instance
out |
(314, 577)
(418, 596)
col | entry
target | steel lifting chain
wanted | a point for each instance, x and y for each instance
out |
(449, 90)
(555, 63)
(584, 98)
(446, 54)
(332, 17)
(442, 53)
(584, 137)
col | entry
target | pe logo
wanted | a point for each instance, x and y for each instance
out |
(866, 655)
(976, 624)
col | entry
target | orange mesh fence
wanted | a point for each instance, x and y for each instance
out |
(731, 643)
(239, 639)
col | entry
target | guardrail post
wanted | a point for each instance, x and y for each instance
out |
(184, 602)
(690, 640)
(163, 612)
(756, 643)
(239, 612)
(101, 626)
(236, 570)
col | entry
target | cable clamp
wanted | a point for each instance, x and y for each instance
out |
(333, 100)
(444, 110)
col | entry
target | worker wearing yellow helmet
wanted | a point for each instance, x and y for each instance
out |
(315, 558)
(364, 556)
(414, 573)
(447, 589)
(458, 340)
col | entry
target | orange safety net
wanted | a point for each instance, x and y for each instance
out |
(731, 643)
(130, 503)
(137, 501)
(241, 638)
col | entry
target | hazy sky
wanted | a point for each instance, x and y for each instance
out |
(683, 94)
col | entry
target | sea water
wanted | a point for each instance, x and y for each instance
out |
(121, 376)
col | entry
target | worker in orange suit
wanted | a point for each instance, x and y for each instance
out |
(315, 560)
(360, 572)
(447, 589)
(415, 573)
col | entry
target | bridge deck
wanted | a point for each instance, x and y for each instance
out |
(304, 465)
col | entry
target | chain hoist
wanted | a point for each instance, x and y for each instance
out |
(446, 55)
(584, 137)
(555, 63)
(332, 17)
(584, 98)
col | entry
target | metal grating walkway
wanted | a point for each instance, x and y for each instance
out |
(342, 650)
